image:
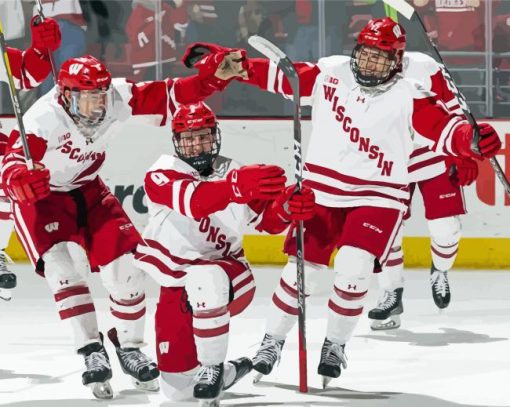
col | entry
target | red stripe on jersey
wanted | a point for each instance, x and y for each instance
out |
(336, 191)
(243, 283)
(209, 333)
(426, 163)
(420, 151)
(75, 311)
(162, 267)
(344, 311)
(128, 316)
(394, 262)
(5, 215)
(328, 172)
(70, 292)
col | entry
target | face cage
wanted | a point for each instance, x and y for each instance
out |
(97, 115)
(203, 161)
(389, 67)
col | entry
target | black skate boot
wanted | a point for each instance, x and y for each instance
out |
(209, 385)
(388, 310)
(143, 371)
(267, 356)
(99, 370)
(440, 287)
(243, 366)
(7, 277)
(332, 359)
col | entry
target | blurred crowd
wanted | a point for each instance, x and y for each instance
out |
(123, 33)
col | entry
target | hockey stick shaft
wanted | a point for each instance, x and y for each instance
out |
(15, 100)
(287, 67)
(50, 54)
(410, 13)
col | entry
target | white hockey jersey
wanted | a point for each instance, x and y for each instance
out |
(73, 160)
(361, 138)
(173, 238)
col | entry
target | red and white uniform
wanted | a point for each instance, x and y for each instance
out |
(177, 248)
(359, 153)
(57, 143)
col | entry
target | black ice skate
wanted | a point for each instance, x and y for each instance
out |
(387, 313)
(267, 356)
(332, 359)
(243, 366)
(209, 385)
(7, 277)
(99, 370)
(440, 287)
(143, 371)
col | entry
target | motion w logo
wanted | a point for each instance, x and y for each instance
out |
(75, 69)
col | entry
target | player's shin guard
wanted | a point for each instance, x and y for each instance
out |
(210, 330)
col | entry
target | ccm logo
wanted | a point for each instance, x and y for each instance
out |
(51, 227)
(450, 195)
(372, 227)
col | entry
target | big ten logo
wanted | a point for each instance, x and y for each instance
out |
(487, 179)
(214, 235)
(122, 192)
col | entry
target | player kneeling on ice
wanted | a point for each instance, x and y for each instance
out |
(366, 120)
(199, 203)
(68, 220)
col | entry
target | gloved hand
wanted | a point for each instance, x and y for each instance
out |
(29, 186)
(215, 60)
(462, 171)
(256, 182)
(45, 34)
(295, 205)
(489, 141)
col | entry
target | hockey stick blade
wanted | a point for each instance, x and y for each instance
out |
(274, 53)
(402, 7)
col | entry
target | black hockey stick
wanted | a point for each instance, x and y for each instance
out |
(50, 54)
(15, 101)
(283, 62)
(410, 13)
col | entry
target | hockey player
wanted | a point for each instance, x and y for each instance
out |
(29, 68)
(440, 184)
(67, 219)
(199, 203)
(366, 121)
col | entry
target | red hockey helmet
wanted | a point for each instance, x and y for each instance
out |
(378, 54)
(84, 85)
(196, 136)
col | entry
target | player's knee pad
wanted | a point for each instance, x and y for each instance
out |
(445, 231)
(178, 386)
(122, 279)
(61, 271)
(207, 286)
(353, 268)
(312, 271)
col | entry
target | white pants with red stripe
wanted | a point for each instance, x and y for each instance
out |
(445, 234)
(67, 270)
(6, 223)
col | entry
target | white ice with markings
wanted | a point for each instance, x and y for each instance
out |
(460, 357)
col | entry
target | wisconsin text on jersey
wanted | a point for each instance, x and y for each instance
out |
(353, 132)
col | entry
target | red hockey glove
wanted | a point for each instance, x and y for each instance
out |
(29, 186)
(45, 35)
(256, 182)
(295, 206)
(489, 141)
(213, 60)
(463, 171)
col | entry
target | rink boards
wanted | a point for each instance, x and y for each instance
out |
(486, 229)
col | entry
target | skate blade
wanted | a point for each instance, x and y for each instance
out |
(5, 294)
(392, 322)
(151, 385)
(325, 381)
(101, 390)
(257, 377)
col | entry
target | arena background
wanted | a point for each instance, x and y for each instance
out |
(471, 34)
